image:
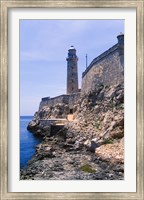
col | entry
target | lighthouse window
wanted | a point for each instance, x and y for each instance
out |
(72, 80)
(72, 88)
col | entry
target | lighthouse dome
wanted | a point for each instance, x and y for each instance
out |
(71, 48)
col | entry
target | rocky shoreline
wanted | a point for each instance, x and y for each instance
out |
(89, 148)
(56, 160)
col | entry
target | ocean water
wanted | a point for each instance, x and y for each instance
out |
(27, 141)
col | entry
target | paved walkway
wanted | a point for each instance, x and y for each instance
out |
(57, 121)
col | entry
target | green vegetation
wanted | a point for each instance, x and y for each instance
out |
(87, 168)
(97, 125)
(108, 141)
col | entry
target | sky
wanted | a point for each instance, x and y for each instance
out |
(44, 47)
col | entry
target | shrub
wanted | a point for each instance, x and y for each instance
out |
(87, 168)
(107, 141)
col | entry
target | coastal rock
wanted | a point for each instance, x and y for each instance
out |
(111, 152)
(69, 165)
(91, 147)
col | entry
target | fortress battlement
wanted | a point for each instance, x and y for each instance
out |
(61, 99)
(100, 57)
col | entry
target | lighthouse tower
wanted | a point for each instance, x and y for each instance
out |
(72, 72)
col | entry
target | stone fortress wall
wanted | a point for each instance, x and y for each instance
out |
(47, 101)
(69, 100)
(106, 69)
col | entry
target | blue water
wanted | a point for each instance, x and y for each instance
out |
(27, 141)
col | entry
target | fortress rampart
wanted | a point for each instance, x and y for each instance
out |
(106, 69)
(69, 100)
(53, 101)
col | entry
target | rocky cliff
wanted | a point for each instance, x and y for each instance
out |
(89, 147)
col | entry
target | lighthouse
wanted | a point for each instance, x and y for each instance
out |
(72, 71)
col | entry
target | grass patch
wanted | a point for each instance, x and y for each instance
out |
(87, 168)
(108, 141)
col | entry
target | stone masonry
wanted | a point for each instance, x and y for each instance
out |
(69, 100)
(106, 69)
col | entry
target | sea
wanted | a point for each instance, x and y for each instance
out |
(28, 141)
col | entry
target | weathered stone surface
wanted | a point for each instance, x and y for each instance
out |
(111, 152)
(68, 100)
(60, 164)
(94, 139)
(106, 71)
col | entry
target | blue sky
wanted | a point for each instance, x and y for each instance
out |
(44, 46)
